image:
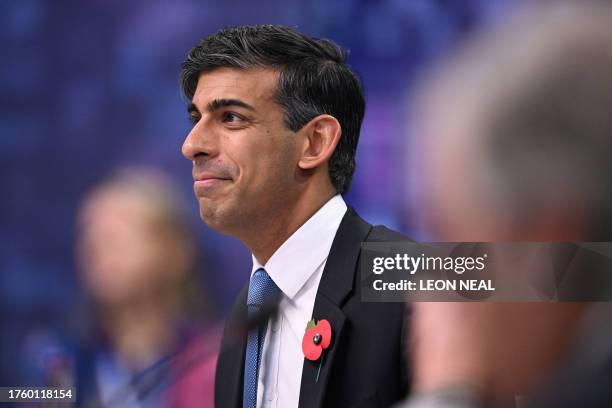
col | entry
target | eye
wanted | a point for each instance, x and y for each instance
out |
(194, 117)
(231, 117)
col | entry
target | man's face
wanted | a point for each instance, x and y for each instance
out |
(244, 157)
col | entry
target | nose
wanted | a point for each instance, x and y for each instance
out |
(198, 142)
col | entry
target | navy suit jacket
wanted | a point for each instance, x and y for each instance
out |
(365, 365)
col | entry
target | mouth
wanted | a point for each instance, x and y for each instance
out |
(205, 185)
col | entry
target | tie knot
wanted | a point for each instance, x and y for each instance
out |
(262, 289)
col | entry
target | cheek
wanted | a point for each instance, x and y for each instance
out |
(281, 167)
(270, 162)
(239, 155)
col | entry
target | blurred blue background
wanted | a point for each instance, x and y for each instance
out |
(90, 85)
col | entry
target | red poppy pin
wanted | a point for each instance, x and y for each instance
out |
(316, 340)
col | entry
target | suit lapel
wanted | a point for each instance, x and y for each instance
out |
(230, 365)
(336, 285)
(311, 390)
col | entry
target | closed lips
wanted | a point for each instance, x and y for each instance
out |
(205, 177)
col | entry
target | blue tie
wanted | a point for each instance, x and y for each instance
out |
(262, 292)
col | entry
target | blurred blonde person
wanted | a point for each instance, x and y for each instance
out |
(137, 259)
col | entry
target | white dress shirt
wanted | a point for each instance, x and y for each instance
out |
(296, 268)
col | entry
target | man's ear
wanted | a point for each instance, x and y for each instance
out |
(320, 136)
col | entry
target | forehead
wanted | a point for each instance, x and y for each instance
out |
(115, 202)
(253, 86)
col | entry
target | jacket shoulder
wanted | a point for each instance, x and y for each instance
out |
(376, 233)
(380, 233)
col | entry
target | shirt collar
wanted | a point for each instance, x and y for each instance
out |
(302, 253)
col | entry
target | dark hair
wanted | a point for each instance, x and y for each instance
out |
(313, 80)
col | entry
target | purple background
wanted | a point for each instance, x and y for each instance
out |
(89, 85)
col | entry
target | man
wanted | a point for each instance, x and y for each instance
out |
(276, 119)
(524, 154)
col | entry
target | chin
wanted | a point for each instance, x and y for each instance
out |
(209, 218)
(215, 219)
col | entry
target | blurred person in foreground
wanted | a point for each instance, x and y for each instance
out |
(276, 121)
(517, 131)
(137, 258)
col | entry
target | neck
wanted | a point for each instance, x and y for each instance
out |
(284, 222)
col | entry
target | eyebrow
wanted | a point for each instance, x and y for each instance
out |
(221, 103)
